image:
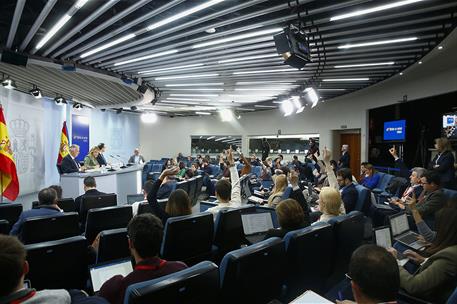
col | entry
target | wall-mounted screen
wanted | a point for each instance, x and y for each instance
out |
(450, 126)
(395, 130)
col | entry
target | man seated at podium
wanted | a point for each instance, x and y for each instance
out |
(90, 189)
(136, 158)
(69, 163)
(90, 161)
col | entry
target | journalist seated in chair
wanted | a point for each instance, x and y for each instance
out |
(297, 193)
(58, 190)
(415, 188)
(373, 275)
(349, 193)
(178, 203)
(14, 267)
(145, 233)
(90, 189)
(280, 185)
(228, 193)
(436, 278)
(371, 178)
(147, 188)
(90, 161)
(290, 217)
(330, 204)
(47, 199)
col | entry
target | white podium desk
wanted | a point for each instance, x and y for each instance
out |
(122, 182)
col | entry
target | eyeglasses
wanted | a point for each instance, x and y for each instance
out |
(348, 277)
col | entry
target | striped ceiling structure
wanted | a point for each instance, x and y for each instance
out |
(201, 56)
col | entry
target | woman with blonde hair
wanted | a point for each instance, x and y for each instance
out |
(278, 190)
(290, 217)
(443, 163)
(329, 204)
(90, 161)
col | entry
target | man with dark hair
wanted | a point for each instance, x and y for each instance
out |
(228, 194)
(374, 275)
(145, 233)
(147, 188)
(349, 193)
(47, 199)
(90, 189)
(58, 190)
(431, 199)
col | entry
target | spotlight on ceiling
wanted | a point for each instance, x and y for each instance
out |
(226, 115)
(119, 111)
(9, 83)
(133, 108)
(60, 100)
(35, 92)
(287, 107)
(149, 118)
(77, 106)
(312, 96)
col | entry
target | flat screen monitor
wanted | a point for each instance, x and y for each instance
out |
(395, 130)
(450, 126)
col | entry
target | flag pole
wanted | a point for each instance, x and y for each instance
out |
(1, 187)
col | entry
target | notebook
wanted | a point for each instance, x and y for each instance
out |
(101, 273)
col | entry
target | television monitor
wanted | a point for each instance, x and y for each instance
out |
(395, 130)
(450, 126)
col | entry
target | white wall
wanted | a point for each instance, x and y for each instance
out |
(437, 75)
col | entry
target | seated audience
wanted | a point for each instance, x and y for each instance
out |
(266, 169)
(47, 199)
(431, 199)
(58, 191)
(415, 187)
(436, 277)
(178, 202)
(363, 171)
(90, 189)
(329, 204)
(228, 194)
(255, 161)
(374, 276)
(188, 174)
(147, 187)
(90, 161)
(69, 163)
(399, 164)
(276, 194)
(167, 185)
(297, 193)
(371, 178)
(247, 166)
(14, 267)
(443, 163)
(349, 193)
(136, 158)
(290, 217)
(145, 233)
(182, 169)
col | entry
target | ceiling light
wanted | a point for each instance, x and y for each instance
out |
(440, 47)
(238, 37)
(278, 101)
(9, 84)
(264, 82)
(374, 9)
(149, 118)
(172, 68)
(195, 95)
(363, 65)
(420, 62)
(265, 71)
(194, 84)
(220, 138)
(211, 137)
(80, 3)
(179, 102)
(188, 99)
(348, 46)
(247, 58)
(287, 107)
(312, 95)
(226, 115)
(53, 31)
(108, 45)
(146, 57)
(77, 106)
(265, 106)
(210, 30)
(301, 109)
(187, 76)
(182, 14)
(35, 92)
(331, 89)
(401, 73)
(60, 100)
(216, 90)
(345, 79)
(203, 113)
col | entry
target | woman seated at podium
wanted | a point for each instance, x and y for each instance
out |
(90, 161)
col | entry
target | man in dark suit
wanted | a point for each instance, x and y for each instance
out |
(69, 163)
(47, 198)
(349, 193)
(90, 189)
(345, 159)
(101, 158)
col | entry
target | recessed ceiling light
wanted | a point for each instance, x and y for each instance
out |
(401, 73)
(379, 42)
(210, 30)
(205, 89)
(345, 79)
(182, 67)
(187, 76)
(248, 58)
(265, 71)
(195, 95)
(203, 113)
(361, 65)
(440, 47)
(420, 62)
(331, 89)
(237, 37)
(159, 54)
(188, 99)
(194, 84)
(108, 45)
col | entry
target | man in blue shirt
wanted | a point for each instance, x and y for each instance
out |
(47, 198)
(349, 193)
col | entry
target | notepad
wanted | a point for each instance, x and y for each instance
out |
(310, 297)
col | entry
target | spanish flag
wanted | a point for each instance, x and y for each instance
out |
(63, 149)
(8, 174)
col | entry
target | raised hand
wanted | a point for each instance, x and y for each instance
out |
(326, 155)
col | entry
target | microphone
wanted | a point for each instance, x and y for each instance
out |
(117, 157)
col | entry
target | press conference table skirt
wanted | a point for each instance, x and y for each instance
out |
(122, 182)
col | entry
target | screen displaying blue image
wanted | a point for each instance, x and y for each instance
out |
(395, 130)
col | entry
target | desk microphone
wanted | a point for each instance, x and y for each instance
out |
(117, 157)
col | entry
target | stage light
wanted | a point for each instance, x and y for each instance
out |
(149, 118)
(35, 92)
(60, 100)
(77, 106)
(312, 95)
(226, 115)
(287, 107)
(9, 84)
(133, 108)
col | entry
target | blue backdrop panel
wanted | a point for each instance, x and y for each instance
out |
(80, 134)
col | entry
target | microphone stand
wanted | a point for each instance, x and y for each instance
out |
(119, 159)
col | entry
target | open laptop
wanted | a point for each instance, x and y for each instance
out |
(383, 238)
(133, 198)
(401, 232)
(256, 225)
(101, 273)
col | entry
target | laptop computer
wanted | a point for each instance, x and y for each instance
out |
(133, 198)
(401, 232)
(101, 273)
(383, 238)
(256, 225)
